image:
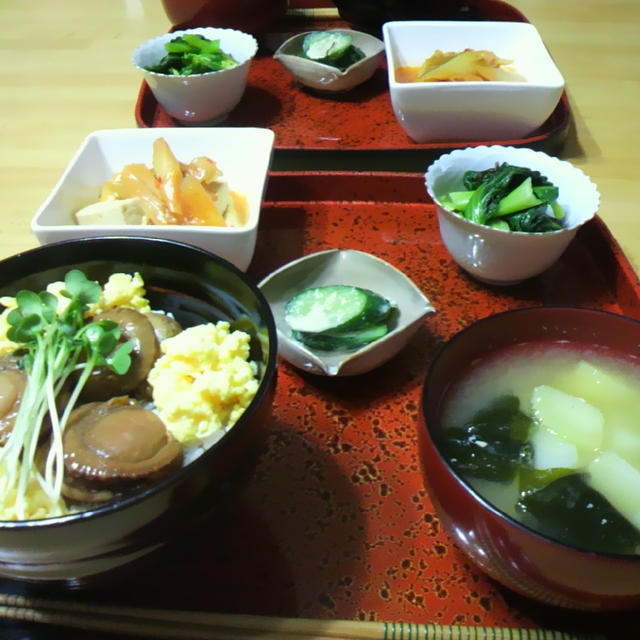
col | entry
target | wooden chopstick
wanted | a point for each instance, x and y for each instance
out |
(182, 625)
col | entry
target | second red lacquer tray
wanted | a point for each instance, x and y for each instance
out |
(335, 520)
(354, 131)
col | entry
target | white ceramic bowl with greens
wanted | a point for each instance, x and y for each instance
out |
(506, 257)
(203, 97)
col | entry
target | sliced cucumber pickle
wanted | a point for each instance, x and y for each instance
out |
(337, 317)
(326, 44)
(335, 308)
(327, 341)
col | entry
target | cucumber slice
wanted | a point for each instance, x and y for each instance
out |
(335, 308)
(320, 45)
(341, 341)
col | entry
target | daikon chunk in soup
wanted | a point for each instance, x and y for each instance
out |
(550, 434)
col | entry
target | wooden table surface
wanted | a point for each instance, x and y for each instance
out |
(66, 71)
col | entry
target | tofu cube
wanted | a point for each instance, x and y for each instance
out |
(112, 212)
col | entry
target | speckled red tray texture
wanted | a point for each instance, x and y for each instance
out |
(335, 521)
(359, 120)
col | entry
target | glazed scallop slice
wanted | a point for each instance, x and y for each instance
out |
(118, 442)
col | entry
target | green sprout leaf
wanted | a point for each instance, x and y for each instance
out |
(54, 345)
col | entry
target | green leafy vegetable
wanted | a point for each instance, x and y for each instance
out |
(57, 347)
(191, 54)
(534, 220)
(531, 479)
(508, 197)
(331, 47)
(493, 445)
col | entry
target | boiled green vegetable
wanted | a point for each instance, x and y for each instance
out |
(191, 54)
(508, 197)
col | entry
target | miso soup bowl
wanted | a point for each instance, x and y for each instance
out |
(196, 286)
(516, 556)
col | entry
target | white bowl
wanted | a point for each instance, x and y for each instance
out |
(201, 97)
(324, 77)
(506, 257)
(471, 111)
(348, 267)
(242, 154)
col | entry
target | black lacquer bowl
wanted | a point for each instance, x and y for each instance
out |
(372, 14)
(196, 287)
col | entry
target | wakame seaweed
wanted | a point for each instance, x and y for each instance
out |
(570, 511)
(493, 445)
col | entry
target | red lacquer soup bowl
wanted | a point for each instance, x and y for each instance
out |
(253, 16)
(515, 555)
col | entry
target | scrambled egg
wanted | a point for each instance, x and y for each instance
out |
(203, 381)
(123, 290)
(37, 503)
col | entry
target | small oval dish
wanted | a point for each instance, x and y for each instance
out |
(324, 77)
(348, 267)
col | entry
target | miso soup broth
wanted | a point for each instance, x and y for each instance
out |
(550, 434)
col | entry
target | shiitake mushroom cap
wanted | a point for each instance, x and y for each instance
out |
(137, 328)
(118, 442)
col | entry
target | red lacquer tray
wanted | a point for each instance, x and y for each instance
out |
(354, 131)
(335, 521)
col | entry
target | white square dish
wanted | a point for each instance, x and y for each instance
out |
(242, 154)
(471, 110)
